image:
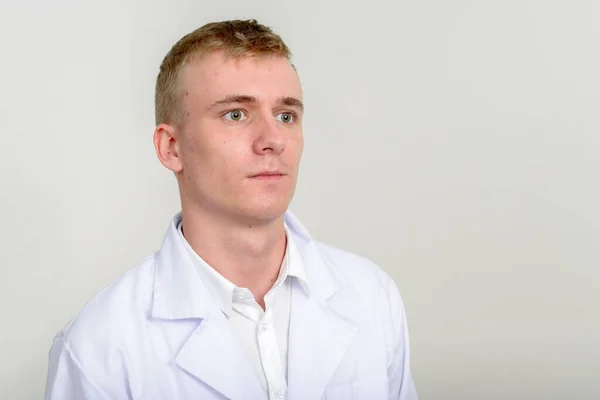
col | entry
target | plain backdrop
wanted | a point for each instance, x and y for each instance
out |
(455, 143)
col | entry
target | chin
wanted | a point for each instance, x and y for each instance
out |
(266, 211)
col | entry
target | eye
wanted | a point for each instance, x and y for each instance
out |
(285, 117)
(235, 115)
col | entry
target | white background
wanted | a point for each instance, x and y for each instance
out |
(455, 143)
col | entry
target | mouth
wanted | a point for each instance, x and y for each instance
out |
(268, 175)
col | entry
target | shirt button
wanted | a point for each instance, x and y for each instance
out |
(264, 326)
(279, 393)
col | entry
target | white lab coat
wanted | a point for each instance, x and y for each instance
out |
(156, 334)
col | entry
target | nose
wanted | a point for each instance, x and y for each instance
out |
(270, 138)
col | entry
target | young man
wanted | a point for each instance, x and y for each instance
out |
(240, 302)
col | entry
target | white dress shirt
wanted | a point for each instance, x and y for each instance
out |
(263, 333)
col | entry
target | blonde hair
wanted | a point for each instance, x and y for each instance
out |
(237, 38)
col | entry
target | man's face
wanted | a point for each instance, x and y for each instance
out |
(242, 140)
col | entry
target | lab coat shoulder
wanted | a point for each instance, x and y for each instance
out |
(89, 356)
(363, 274)
(353, 263)
(377, 292)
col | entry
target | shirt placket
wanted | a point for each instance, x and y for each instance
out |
(269, 353)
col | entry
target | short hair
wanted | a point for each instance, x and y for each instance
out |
(237, 38)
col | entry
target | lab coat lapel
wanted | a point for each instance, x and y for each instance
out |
(322, 325)
(212, 353)
(318, 341)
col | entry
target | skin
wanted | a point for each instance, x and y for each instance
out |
(236, 158)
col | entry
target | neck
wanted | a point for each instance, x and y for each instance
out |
(247, 254)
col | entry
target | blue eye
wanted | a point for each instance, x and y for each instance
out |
(235, 115)
(285, 117)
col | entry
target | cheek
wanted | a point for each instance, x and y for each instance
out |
(296, 148)
(196, 155)
(217, 160)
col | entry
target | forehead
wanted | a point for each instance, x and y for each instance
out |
(215, 76)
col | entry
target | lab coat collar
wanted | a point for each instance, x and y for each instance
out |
(222, 290)
(323, 321)
(180, 293)
(318, 279)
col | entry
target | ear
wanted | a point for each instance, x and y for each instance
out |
(166, 146)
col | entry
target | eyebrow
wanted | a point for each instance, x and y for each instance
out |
(292, 102)
(244, 99)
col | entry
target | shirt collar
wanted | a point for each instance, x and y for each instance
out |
(295, 266)
(222, 290)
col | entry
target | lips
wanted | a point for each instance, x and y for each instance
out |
(267, 174)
